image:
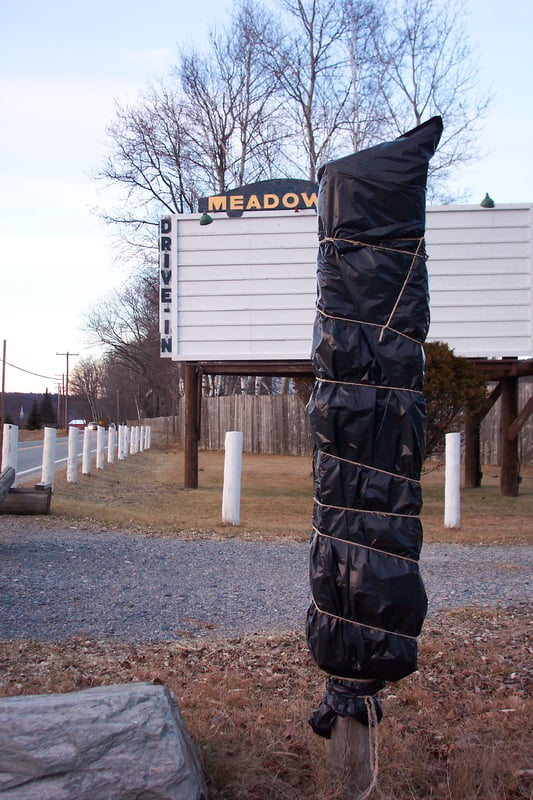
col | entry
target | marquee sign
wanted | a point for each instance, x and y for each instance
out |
(274, 195)
(244, 288)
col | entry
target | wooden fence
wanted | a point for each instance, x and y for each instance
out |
(279, 425)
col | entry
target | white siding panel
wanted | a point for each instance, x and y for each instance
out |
(481, 313)
(518, 281)
(450, 251)
(476, 236)
(245, 333)
(484, 347)
(211, 303)
(458, 217)
(478, 266)
(231, 318)
(289, 259)
(244, 288)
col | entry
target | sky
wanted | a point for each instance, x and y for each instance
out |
(62, 68)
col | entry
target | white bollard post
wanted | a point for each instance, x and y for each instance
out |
(231, 494)
(452, 478)
(100, 447)
(132, 441)
(149, 432)
(127, 441)
(72, 458)
(10, 449)
(86, 458)
(49, 457)
(142, 438)
(111, 436)
(121, 442)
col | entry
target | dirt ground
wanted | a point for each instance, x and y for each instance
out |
(459, 728)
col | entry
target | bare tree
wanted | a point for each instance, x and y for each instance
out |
(431, 69)
(232, 108)
(87, 382)
(126, 325)
(366, 116)
(309, 65)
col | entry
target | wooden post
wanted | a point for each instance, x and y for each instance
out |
(231, 493)
(509, 474)
(473, 474)
(100, 447)
(72, 458)
(191, 427)
(349, 758)
(111, 436)
(121, 453)
(49, 458)
(86, 456)
(10, 448)
(452, 487)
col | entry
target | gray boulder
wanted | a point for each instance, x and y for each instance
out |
(122, 742)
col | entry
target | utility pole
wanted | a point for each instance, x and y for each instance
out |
(3, 399)
(67, 354)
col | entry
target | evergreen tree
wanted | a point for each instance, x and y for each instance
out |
(47, 411)
(34, 422)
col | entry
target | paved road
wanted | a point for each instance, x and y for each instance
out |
(57, 583)
(30, 456)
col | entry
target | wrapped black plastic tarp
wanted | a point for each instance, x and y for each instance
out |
(367, 416)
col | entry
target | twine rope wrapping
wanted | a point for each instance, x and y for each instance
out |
(369, 324)
(364, 546)
(382, 247)
(370, 386)
(416, 255)
(365, 511)
(373, 746)
(361, 624)
(373, 469)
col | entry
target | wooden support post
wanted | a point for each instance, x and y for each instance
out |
(191, 427)
(473, 472)
(349, 758)
(509, 475)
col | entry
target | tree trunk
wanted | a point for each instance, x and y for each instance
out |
(26, 501)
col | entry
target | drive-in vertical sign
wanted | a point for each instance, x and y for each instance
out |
(167, 296)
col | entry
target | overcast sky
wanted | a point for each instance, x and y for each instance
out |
(62, 65)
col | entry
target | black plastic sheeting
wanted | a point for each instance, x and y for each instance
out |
(367, 416)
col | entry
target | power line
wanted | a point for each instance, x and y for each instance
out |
(37, 375)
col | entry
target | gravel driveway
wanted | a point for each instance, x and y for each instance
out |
(57, 582)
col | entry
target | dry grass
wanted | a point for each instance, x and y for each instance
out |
(458, 729)
(145, 492)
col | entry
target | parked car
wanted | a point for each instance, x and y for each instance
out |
(93, 426)
(77, 423)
